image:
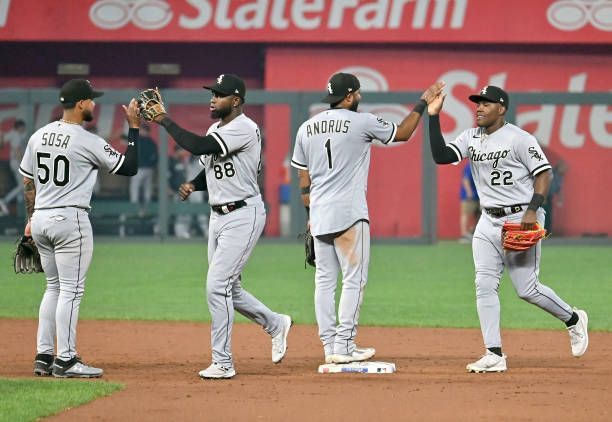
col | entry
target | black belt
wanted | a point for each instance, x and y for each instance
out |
(501, 212)
(229, 207)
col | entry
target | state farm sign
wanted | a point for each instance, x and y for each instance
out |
(346, 21)
(282, 14)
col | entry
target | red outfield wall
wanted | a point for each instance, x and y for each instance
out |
(580, 135)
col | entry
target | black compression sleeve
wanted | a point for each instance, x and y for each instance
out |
(199, 182)
(442, 154)
(197, 145)
(129, 167)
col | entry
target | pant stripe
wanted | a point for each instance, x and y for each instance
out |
(360, 289)
(231, 276)
(76, 291)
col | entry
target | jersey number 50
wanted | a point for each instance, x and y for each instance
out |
(60, 168)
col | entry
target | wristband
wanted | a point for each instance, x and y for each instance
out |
(307, 211)
(420, 106)
(305, 190)
(536, 202)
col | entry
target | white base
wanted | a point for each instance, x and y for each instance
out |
(358, 367)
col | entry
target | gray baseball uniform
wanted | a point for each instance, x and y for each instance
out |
(231, 177)
(334, 147)
(504, 165)
(63, 159)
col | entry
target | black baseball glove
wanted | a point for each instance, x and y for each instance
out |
(308, 248)
(27, 258)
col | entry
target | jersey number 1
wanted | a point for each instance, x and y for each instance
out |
(61, 169)
(329, 154)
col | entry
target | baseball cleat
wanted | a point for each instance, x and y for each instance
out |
(43, 365)
(489, 362)
(358, 355)
(217, 371)
(74, 368)
(579, 335)
(279, 341)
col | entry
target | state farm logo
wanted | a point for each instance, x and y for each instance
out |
(571, 15)
(145, 14)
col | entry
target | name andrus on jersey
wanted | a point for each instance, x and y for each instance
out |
(327, 126)
(487, 156)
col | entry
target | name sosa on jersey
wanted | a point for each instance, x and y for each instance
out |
(53, 139)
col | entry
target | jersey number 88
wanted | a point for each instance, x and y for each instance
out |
(226, 170)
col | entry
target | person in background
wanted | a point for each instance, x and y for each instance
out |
(147, 160)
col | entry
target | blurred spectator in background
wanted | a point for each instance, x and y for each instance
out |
(470, 205)
(16, 138)
(555, 194)
(147, 160)
(185, 166)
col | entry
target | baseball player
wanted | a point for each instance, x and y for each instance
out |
(60, 167)
(231, 156)
(332, 155)
(512, 177)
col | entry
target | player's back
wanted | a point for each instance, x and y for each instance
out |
(63, 160)
(337, 151)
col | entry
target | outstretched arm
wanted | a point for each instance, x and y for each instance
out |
(442, 154)
(195, 144)
(407, 127)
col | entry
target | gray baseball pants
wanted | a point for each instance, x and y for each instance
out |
(65, 242)
(348, 252)
(490, 259)
(231, 240)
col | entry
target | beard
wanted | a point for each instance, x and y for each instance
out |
(220, 113)
(87, 116)
(354, 106)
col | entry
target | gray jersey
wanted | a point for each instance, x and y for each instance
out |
(504, 163)
(63, 159)
(334, 147)
(232, 175)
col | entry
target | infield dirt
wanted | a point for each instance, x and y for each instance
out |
(159, 362)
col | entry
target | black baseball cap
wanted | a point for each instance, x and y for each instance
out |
(339, 86)
(228, 84)
(76, 90)
(492, 94)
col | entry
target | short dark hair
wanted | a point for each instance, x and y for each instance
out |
(68, 106)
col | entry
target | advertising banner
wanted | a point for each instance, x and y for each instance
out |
(342, 21)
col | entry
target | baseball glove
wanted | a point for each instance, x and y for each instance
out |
(308, 248)
(151, 104)
(27, 258)
(515, 239)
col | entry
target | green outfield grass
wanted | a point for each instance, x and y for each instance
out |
(430, 286)
(29, 399)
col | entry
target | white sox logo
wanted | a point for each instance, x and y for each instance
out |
(535, 154)
(145, 14)
(571, 15)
